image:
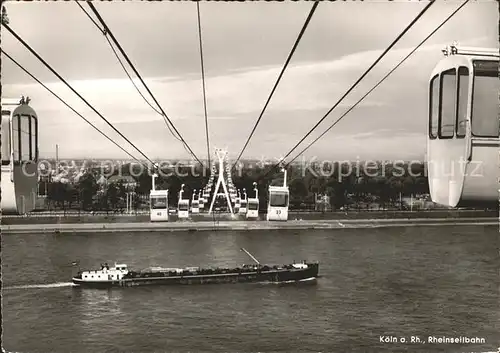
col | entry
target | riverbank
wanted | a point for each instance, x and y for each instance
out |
(191, 226)
(43, 218)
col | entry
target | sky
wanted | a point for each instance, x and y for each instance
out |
(245, 45)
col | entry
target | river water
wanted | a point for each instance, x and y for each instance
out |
(397, 282)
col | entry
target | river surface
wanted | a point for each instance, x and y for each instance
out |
(397, 282)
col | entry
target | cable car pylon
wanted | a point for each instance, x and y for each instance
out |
(221, 156)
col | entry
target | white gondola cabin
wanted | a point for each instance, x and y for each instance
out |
(277, 208)
(158, 203)
(201, 201)
(237, 204)
(253, 209)
(243, 203)
(195, 203)
(279, 199)
(183, 208)
(463, 128)
(206, 197)
(19, 179)
(253, 205)
(182, 205)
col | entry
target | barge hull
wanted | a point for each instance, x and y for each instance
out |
(253, 277)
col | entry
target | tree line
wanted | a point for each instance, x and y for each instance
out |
(347, 185)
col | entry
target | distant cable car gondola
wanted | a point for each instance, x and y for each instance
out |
(243, 203)
(201, 201)
(253, 204)
(19, 130)
(237, 202)
(195, 203)
(182, 205)
(206, 195)
(463, 128)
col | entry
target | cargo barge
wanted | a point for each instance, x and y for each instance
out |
(121, 276)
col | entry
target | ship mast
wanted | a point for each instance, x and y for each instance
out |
(250, 255)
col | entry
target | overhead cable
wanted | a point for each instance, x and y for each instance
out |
(302, 31)
(382, 80)
(115, 41)
(357, 81)
(363, 75)
(126, 71)
(203, 81)
(27, 46)
(66, 104)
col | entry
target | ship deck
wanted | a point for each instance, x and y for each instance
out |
(276, 273)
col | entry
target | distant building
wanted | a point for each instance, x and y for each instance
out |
(79, 175)
(129, 182)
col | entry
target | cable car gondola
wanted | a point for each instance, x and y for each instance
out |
(158, 203)
(182, 205)
(19, 128)
(243, 203)
(253, 204)
(195, 203)
(463, 128)
(277, 207)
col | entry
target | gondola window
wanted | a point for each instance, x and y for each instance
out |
(279, 200)
(486, 85)
(6, 137)
(448, 104)
(158, 202)
(463, 100)
(24, 138)
(434, 107)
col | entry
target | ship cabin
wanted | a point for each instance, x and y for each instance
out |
(105, 273)
(302, 265)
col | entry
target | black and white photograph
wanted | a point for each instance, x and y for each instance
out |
(250, 176)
